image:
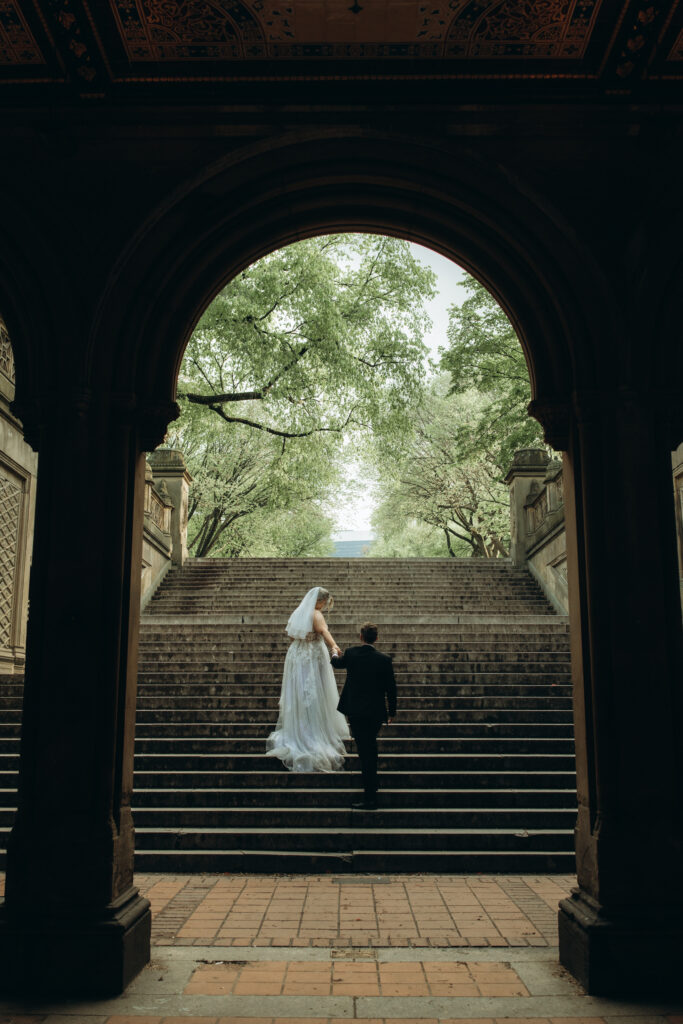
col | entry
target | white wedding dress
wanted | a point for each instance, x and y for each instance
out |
(310, 732)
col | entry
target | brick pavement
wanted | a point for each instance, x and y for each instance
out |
(372, 949)
(397, 910)
(397, 978)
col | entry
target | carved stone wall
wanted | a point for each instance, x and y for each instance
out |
(18, 467)
(6, 353)
(11, 496)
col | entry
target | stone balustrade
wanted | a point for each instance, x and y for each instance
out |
(537, 522)
(164, 541)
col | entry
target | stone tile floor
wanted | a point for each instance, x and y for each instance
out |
(406, 949)
(352, 910)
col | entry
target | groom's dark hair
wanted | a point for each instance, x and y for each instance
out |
(368, 632)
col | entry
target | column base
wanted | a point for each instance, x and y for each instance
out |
(632, 954)
(74, 957)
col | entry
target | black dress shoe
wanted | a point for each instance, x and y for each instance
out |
(365, 805)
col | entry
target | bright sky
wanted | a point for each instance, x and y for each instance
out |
(353, 521)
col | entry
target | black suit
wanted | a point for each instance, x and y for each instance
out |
(370, 689)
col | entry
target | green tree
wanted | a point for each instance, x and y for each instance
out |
(242, 478)
(483, 355)
(290, 365)
(317, 337)
(432, 479)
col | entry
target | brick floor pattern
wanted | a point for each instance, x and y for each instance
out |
(410, 910)
(398, 978)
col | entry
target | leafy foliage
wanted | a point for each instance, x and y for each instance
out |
(484, 355)
(430, 480)
(290, 365)
(319, 336)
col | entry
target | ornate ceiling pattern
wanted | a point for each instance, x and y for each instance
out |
(17, 44)
(95, 45)
(159, 30)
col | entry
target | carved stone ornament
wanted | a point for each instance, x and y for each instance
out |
(153, 419)
(10, 512)
(554, 415)
(6, 353)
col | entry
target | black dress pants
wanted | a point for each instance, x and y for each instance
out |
(364, 732)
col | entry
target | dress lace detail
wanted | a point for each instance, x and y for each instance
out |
(310, 732)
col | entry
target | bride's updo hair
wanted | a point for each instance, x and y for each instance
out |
(324, 595)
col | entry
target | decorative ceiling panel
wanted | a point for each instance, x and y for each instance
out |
(18, 46)
(159, 30)
(97, 45)
(522, 28)
(210, 30)
(676, 52)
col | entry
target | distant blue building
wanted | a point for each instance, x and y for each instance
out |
(352, 548)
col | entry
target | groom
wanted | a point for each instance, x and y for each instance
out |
(370, 686)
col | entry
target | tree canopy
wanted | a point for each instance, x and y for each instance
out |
(483, 354)
(429, 488)
(317, 337)
(294, 361)
(442, 490)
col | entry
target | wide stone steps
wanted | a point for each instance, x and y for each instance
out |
(417, 762)
(357, 833)
(522, 782)
(428, 665)
(443, 697)
(412, 731)
(341, 798)
(477, 770)
(346, 858)
(256, 718)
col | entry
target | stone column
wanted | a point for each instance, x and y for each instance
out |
(621, 931)
(677, 467)
(168, 466)
(528, 467)
(73, 921)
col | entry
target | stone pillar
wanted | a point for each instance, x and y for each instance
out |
(677, 467)
(528, 467)
(73, 921)
(621, 931)
(168, 467)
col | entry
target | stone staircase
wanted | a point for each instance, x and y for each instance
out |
(477, 769)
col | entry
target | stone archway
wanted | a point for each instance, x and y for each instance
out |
(111, 400)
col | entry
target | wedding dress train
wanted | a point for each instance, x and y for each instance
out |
(310, 732)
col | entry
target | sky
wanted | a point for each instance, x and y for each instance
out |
(353, 521)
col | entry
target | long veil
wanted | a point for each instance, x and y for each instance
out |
(300, 622)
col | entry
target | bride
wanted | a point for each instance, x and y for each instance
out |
(310, 732)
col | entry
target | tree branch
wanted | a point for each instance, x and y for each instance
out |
(280, 433)
(246, 396)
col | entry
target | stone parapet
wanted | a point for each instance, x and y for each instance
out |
(157, 546)
(170, 473)
(537, 521)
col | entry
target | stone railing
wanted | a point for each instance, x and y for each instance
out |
(164, 539)
(537, 522)
(158, 504)
(157, 549)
